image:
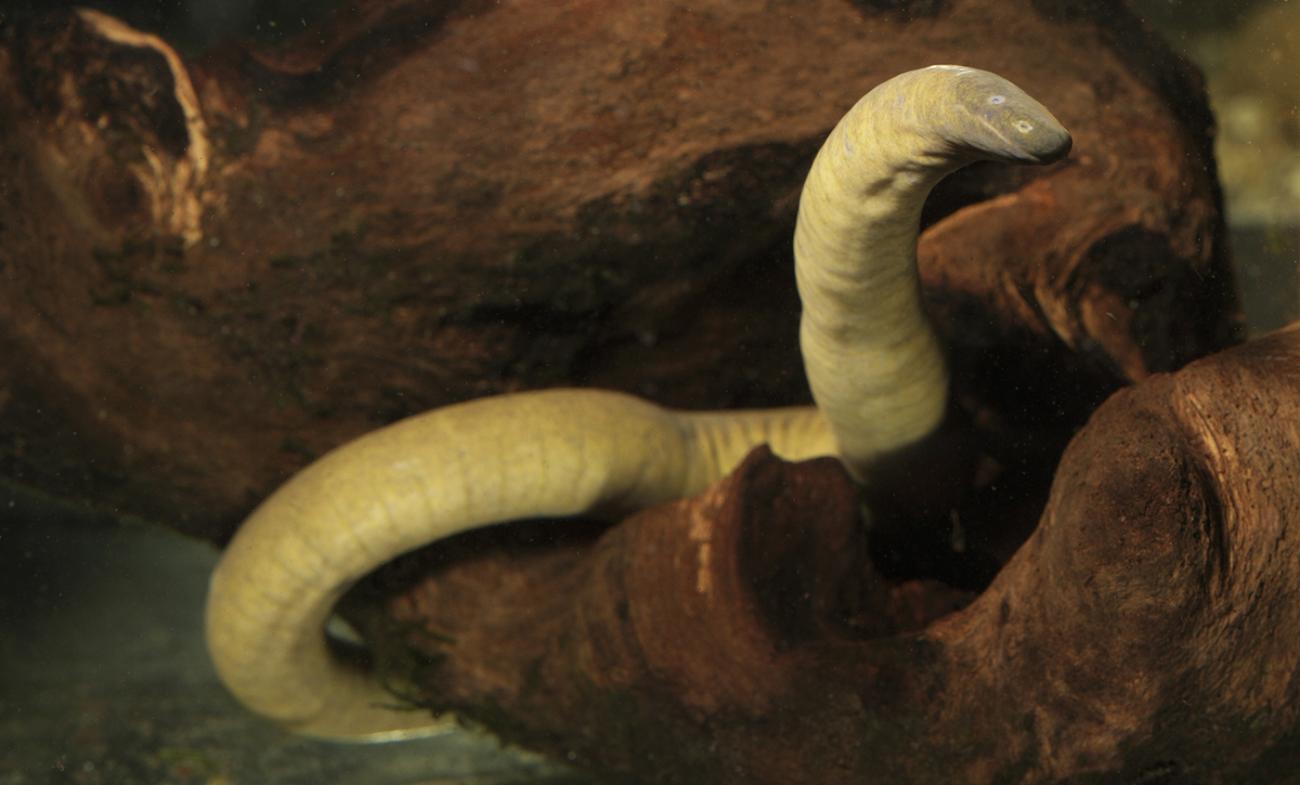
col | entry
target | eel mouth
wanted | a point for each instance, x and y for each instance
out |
(1048, 146)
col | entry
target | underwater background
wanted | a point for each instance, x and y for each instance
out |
(103, 674)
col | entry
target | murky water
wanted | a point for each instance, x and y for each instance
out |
(103, 674)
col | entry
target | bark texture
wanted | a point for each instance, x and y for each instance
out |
(214, 270)
(1146, 632)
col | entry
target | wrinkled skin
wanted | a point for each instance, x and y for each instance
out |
(878, 378)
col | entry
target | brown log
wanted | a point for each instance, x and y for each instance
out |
(1146, 632)
(214, 270)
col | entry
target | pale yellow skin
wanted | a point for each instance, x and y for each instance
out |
(873, 362)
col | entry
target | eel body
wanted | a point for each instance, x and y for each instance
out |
(875, 366)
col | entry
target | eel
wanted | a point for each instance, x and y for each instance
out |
(874, 363)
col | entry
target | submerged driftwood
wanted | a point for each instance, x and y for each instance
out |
(1146, 631)
(216, 269)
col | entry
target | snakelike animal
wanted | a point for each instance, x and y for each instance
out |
(875, 366)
